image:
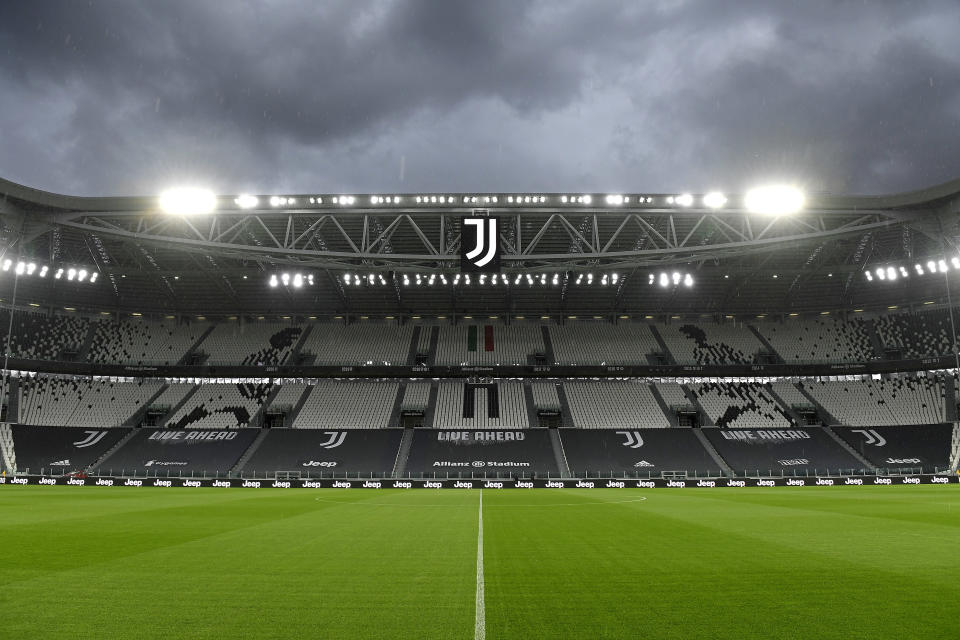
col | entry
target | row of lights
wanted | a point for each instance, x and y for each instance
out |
(295, 280)
(893, 274)
(771, 200)
(431, 279)
(666, 279)
(31, 269)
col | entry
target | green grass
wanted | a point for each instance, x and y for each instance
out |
(833, 562)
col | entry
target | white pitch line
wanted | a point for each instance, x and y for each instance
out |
(480, 619)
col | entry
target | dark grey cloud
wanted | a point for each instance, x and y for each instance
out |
(129, 97)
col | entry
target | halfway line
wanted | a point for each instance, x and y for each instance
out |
(480, 622)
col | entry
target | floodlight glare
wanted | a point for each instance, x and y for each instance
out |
(31, 267)
(919, 269)
(684, 200)
(774, 200)
(688, 280)
(273, 280)
(21, 268)
(71, 274)
(664, 280)
(82, 275)
(297, 280)
(714, 200)
(246, 201)
(184, 201)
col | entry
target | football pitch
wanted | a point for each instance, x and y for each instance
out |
(832, 562)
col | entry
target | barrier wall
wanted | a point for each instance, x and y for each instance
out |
(925, 447)
(313, 452)
(180, 451)
(781, 451)
(61, 449)
(462, 453)
(653, 451)
(236, 483)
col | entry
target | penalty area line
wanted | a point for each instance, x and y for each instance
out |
(480, 622)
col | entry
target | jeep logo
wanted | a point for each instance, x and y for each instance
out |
(371, 485)
(614, 484)
(133, 483)
(342, 485)
(584, 485)
(553, 485)
(462, 485)
(524, 485)
(279, 484)
(250, 483)
(402, 485)
(191, 483)
(493, 485)
(163, 483)
(220, 483)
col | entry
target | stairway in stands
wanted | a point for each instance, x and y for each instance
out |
(403, 453)
(727, 469)
(249, 452)
(196, 345)
(109, 452)
(846, 447)
(138, 415)
(705, 419)
(955, 447)
(559, 453)
(13, 400)
(87, 342)
(8, 456)
(825, 415)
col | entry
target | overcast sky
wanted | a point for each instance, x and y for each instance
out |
(129, 97)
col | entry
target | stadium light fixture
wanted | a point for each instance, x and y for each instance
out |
(714, 200)
(246, 201)
(684, 200)
(21, 268)
(775, 200)
(185, 201)
(614, 199)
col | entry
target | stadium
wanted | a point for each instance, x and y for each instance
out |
(461, 415)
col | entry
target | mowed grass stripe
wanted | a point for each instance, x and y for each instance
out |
(683, 564)
(291, 566)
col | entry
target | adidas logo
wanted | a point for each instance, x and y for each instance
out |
(60, 463)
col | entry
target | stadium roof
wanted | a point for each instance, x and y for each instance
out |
(360, 249)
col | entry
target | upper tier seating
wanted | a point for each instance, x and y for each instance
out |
(60, 402)
(865, 403)
(254, 343)
(819, 340)
(740, 405)
(709, 343)
(918, 335)
(221, 406)
(508, 401)
(488, 344)
(600, 342)
(334, 404)
(789, 393)
(358, 344)
(37, 336)
(143, 341)
(545, 396)
(288, 395)
(613, 404)
(416, 397)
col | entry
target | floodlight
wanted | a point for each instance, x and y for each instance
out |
(891, 273)
(955, 262)
(664, 280)
(285, 279)
(81, 275)
(43, 271)
(309, 278)
(676, 278)
(185, 201)
(587, 199)
(246, 201)
(94, 276)
(346, 278)
(919, 269)
(931, 266)
(688, 280)
(273, 280)
(71, 274)
(614, 199)
(714, 200)
(652, 279)
(6, 264)
(563, 199)
(774, 200)
(615, 277)
(684, 200)
(881, 273)
(297, 280)
(903, 271)
(942, 264)
(869, 276)
(57, 275)
(31, 267)
(21, 267)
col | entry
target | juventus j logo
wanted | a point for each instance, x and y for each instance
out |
(336, 439)
(872, 437)
(634, 441)
(485, 255)
(93, 437)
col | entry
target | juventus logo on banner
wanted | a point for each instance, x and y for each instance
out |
(479, 245)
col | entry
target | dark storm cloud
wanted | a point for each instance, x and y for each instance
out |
(124, 97)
